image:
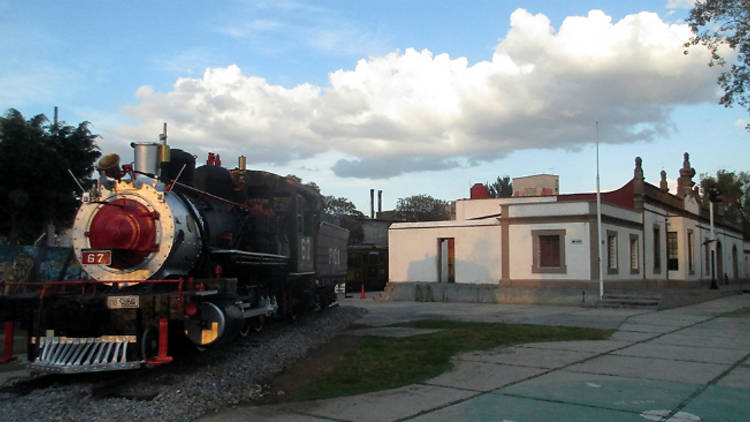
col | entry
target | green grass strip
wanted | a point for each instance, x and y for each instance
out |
(379, 363)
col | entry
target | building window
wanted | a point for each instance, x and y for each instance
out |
(672, 258)
(549, 251)
(657, 250)
(691, 251)
(634, 254)
(612, 267)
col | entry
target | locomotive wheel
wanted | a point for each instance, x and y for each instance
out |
(245, 330)
(150, 342)
(253, 325)
(259, 323)
(293, 313)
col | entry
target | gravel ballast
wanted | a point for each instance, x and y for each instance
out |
(194, 385)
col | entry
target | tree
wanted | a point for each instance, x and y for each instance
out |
(734, 195)
(342, 212)
(725, 22)
(340, 206)
(500, 188)
(422, 208)
(35, 186)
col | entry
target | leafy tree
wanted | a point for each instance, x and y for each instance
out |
(734, 194)
(725, 22)
(500, 188)
(35, 186)
(340, 206)
(343, 212)
(422, 208)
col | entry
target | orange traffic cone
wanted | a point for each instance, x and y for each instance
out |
(363, 291)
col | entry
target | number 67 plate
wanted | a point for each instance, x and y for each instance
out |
(96, 256)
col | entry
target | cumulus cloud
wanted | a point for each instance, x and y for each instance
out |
(416, 111)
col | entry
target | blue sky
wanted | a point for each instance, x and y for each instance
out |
(409, 97)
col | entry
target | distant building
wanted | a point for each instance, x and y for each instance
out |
(368, 260)
(651, 238)
(537, 185)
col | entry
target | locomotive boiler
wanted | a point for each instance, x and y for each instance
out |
(174, 251)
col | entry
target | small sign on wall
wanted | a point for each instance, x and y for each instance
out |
(576, 242)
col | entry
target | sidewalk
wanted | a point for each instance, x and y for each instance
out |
(683, 364)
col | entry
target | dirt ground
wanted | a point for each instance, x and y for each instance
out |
(294, 380)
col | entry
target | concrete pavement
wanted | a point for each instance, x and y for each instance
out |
(683, 364)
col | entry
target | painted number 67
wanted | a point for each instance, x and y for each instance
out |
(97, 257)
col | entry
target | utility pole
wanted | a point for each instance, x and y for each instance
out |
(599, 220)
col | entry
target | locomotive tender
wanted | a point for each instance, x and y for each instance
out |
(174, 250)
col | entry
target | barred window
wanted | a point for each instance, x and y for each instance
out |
(672, 256)
(634, 254)
(612, 267)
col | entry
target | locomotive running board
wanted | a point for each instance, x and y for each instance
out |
(91, 354)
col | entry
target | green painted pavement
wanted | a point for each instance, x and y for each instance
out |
(501, 408)
(721, 404)
(604, 391)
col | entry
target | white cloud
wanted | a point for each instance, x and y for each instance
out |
(418, 111)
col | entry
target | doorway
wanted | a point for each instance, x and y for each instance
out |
(446, 260)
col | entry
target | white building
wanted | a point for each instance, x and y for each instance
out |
(650, 238)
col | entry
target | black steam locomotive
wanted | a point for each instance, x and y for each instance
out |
(170, 249)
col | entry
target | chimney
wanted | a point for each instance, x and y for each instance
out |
(372, 203)
(380, 201)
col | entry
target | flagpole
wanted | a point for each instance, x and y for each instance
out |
(599, 220)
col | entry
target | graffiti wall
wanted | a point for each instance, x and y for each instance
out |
(32, 263)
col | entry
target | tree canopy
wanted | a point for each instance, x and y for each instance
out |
(725, 22)
(35, 186)
(500, 188)
(734, 194)
(340, 206)
(422, 208)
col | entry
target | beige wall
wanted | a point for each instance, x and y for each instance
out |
(413, 252)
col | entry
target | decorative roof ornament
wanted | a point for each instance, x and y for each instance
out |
(638, 172)
(685, 182)
(663, 185)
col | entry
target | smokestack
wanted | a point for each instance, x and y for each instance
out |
(372, 203)
(380, 201)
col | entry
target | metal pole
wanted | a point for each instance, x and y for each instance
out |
(712, 241)
(599, 220)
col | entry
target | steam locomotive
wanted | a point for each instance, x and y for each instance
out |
(174, 251)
